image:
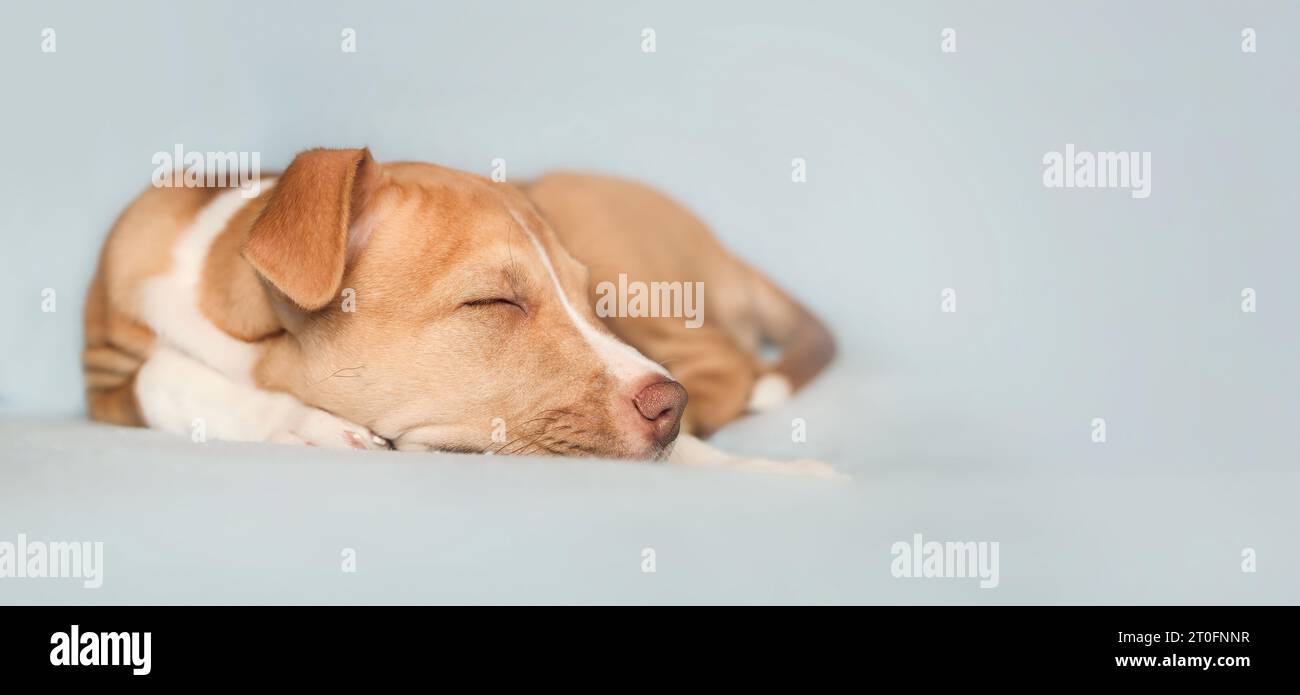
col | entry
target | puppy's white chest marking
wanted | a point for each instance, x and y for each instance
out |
(169, 303)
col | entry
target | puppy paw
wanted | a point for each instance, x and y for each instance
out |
(807, 468)
(815, 469)
(319, 428)
(771, 389)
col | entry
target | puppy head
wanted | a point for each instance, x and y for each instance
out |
(438, 308)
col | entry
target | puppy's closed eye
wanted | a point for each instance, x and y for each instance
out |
(493, 302)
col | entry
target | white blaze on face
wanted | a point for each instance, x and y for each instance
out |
(622, 361)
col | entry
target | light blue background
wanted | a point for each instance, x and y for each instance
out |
(924, 173)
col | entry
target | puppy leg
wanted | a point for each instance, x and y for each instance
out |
(176, 392)
(690, 451)
(718, 374)
(807, 345)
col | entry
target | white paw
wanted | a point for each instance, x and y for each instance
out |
(801, 467)
(815, 469)
(319, 428)
(769, 391)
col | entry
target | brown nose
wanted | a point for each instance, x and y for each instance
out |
(662, 404)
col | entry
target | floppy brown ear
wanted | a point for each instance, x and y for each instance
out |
(299, 243)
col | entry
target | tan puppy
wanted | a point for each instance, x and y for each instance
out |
(354, 304)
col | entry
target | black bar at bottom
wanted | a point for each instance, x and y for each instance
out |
(727, 645)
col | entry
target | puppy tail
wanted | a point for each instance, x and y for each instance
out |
(116, 347)
(807, 345)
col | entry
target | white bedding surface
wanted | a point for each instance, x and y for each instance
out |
(219, 522)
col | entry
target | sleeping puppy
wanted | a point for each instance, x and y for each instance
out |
(410, 306)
